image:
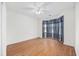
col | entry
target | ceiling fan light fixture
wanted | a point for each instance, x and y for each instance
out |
(38, 12)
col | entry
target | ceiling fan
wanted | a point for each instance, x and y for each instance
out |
(37, 8)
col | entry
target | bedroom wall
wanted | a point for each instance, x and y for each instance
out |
(69, 25)
(20, 27)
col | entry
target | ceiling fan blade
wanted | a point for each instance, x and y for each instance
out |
(28, 8)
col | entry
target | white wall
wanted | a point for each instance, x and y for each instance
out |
(77, 28)
(69, 25)
(0, 28)
(20, 27)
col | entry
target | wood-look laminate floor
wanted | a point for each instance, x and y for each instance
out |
(40, 47)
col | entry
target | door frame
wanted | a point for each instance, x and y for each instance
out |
(3, 28)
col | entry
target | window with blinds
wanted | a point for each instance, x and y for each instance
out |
(54, 28)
